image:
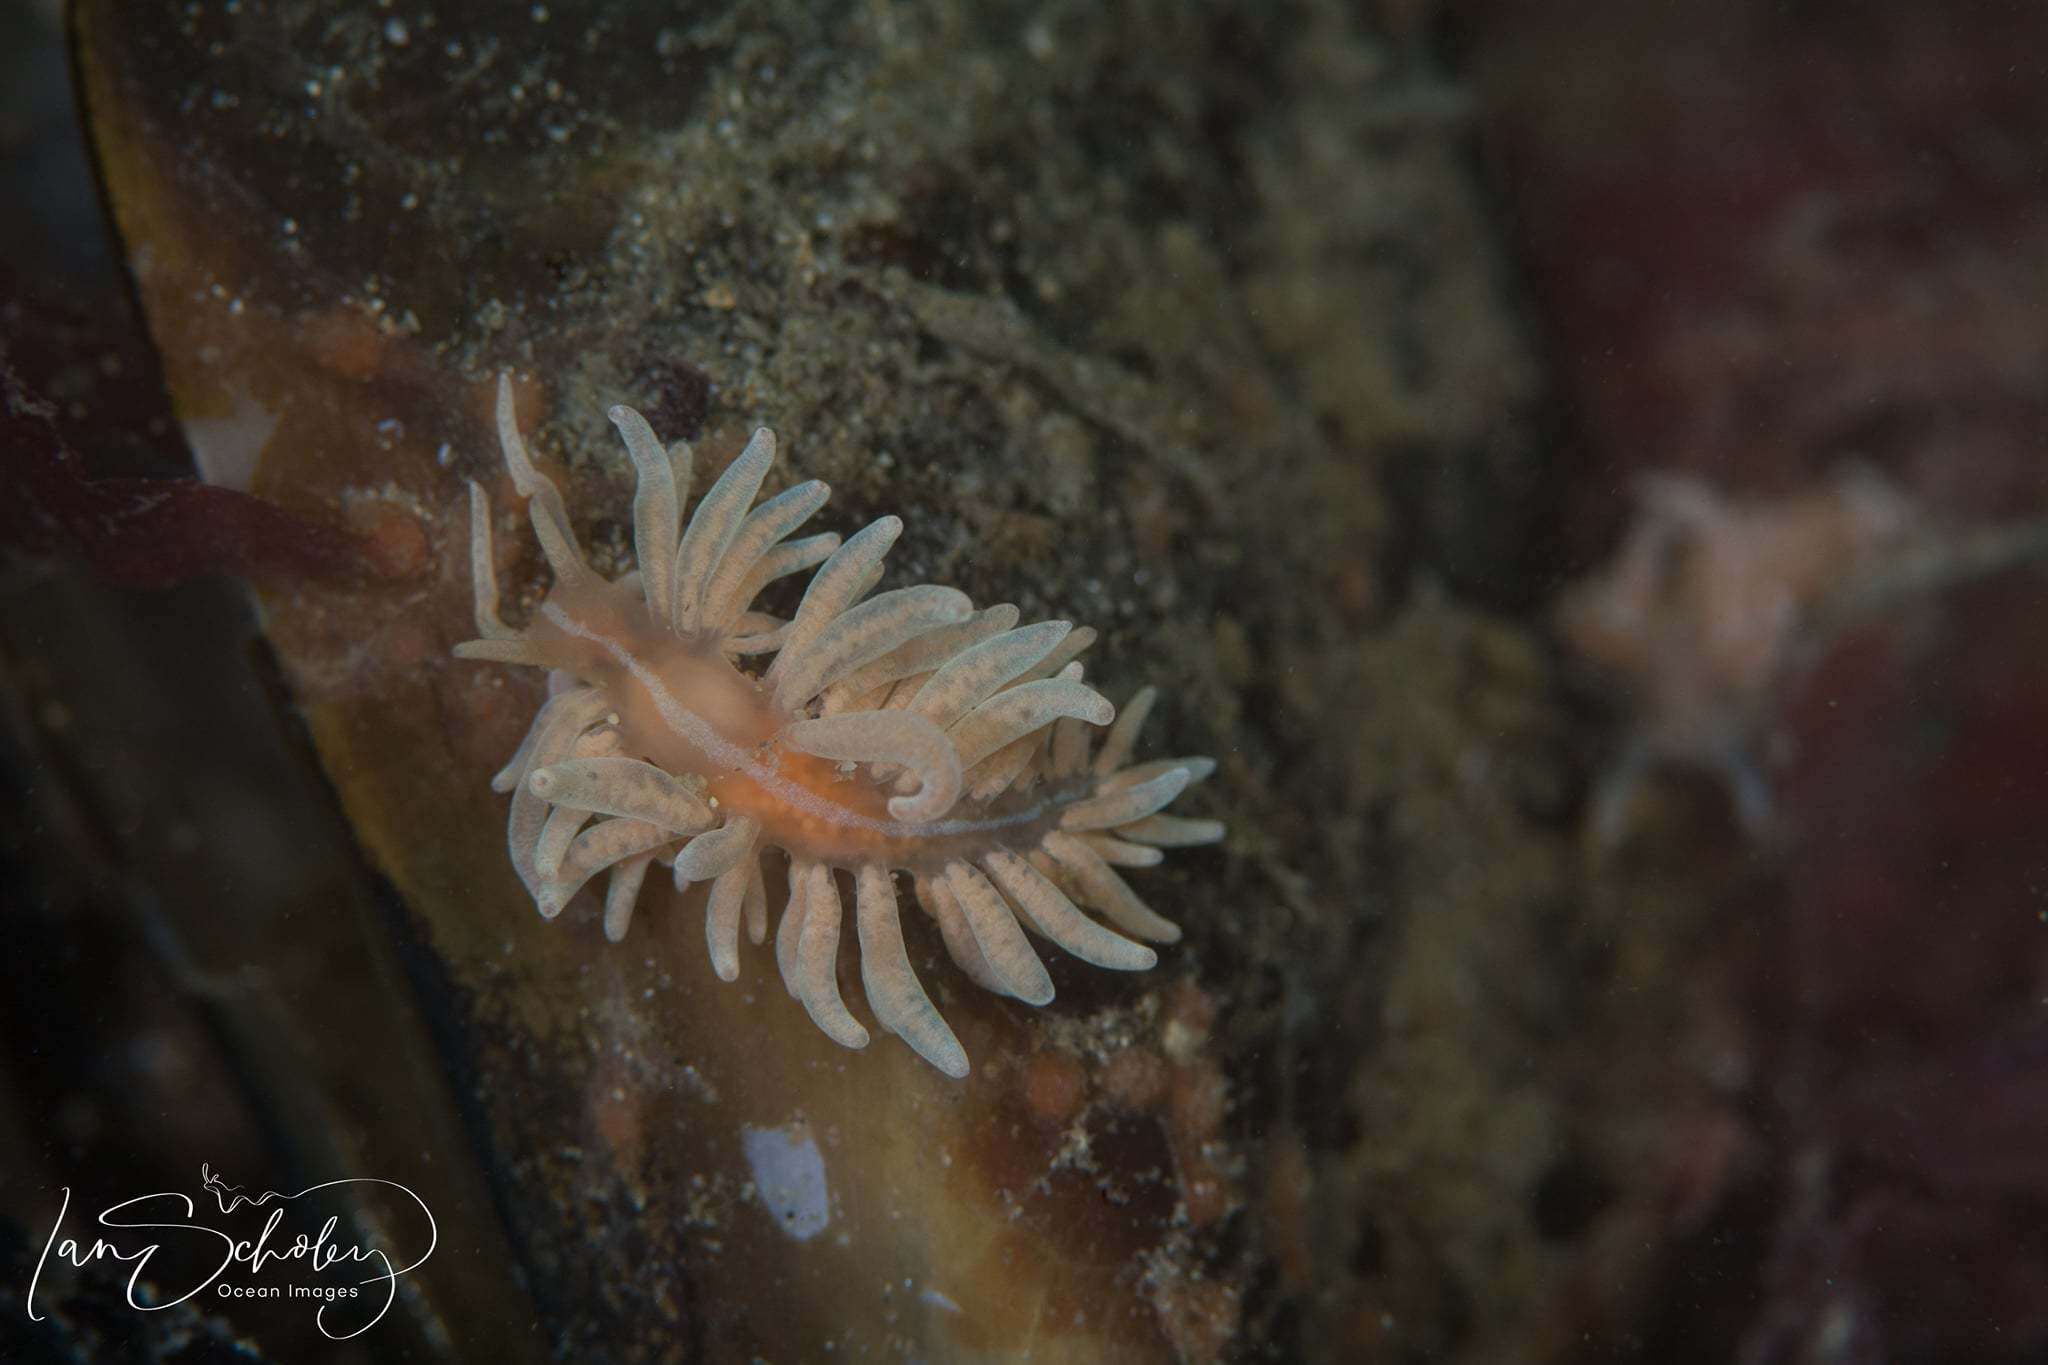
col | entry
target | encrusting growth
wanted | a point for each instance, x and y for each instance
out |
(903, 731)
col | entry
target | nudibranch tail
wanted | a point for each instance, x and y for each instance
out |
(900, 731)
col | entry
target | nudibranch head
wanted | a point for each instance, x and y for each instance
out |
(900, 731)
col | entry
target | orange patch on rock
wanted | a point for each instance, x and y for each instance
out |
(1055, 1086)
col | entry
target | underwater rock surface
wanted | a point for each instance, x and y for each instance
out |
(993, 272)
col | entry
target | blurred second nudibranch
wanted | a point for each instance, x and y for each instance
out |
(1713, 608)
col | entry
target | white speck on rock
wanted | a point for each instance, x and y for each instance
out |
(789, 1177)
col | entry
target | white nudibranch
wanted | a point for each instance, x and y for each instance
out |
(900, 731)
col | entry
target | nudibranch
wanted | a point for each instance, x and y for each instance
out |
(904, 731)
